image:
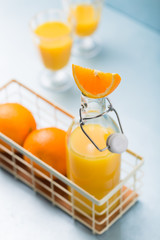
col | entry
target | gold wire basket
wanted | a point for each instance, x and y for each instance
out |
(57, 188)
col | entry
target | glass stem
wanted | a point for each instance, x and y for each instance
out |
(87, 43)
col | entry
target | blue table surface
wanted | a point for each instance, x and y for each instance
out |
(132, 50)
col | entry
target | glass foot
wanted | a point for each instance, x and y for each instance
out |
(87, 47)
(58, 81)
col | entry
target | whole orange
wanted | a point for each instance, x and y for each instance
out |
(48, 144)
(16, 122)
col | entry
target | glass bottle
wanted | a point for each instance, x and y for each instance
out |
(97, 172)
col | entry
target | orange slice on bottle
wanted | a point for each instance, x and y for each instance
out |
(94, 83)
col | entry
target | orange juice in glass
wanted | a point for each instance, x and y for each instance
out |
(52, 34)
(87, 19)
(86, 15)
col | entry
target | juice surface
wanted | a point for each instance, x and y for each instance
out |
(55, 44)
(94, 171)
(87, 19)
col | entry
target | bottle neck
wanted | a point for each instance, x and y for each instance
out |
(92, 107)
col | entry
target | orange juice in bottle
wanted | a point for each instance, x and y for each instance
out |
(90, 164)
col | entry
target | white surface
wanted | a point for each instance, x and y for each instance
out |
(133, 51)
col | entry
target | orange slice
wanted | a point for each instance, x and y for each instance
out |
(93, 83)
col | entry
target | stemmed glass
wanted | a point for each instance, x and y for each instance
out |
(86, 14)
(53, 35)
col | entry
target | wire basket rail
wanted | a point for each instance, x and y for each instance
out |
(98, 215)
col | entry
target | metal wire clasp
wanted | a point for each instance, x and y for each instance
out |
(82, 122)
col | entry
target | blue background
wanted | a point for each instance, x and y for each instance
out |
(145, 11)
